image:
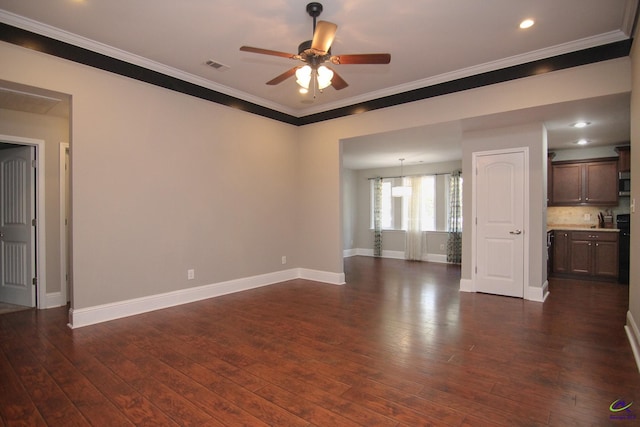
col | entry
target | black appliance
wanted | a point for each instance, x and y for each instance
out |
(623, 250)
(624, 184)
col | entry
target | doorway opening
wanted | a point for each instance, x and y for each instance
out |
(24, 259)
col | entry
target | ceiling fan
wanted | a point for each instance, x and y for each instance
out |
(314, 53)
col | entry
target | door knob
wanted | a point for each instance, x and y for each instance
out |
(516, 232)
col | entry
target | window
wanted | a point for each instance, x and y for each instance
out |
(427, 205)
(395, 210)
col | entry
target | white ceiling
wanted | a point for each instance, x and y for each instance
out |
(429, 42)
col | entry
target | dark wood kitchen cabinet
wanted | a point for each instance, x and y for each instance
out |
(624, 158)
(593, 253)
(560, 251)
(583, 183)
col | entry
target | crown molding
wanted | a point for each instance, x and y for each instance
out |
(31, 34)
(536, 55)
(629, 19)
(110, 51)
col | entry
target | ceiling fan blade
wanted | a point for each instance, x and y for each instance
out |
(363, 58)
(282, 77)
(337, 82)
(267, 52)
(323, 37)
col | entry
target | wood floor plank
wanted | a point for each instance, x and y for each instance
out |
(304, 409)
(52, 403)
(95, 407)
(326, 398)
(16, 408)
(398, 345)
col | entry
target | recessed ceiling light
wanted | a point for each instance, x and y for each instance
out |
(580, 124)
(582, 142)
(527, 23)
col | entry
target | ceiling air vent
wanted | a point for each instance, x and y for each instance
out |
(217, 65)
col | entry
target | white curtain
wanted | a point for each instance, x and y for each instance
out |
(414, 236)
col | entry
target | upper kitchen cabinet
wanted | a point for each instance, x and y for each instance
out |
(624, 159)
(584, 183)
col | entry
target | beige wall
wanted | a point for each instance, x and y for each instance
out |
(53, 131)
(164, 182)
(634, 272)
(320, 210)
(532, 137)
(350, 199)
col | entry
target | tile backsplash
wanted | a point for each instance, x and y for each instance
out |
(581, 215)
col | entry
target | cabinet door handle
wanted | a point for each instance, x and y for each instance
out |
(516, 232)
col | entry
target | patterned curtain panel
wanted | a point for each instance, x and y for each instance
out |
(413, 242)
(454, 244)
(377, 217)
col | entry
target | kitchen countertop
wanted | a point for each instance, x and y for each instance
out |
(576, 227)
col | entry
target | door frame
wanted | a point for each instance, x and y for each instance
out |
(40, 243)
(63, 170)
(526, 219)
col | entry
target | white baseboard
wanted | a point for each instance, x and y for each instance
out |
(54, 299)
(633, 334)
(467, 285)
(538, 294)
(321, 276)
(435, 258)
(393, 255)
(346, 253)
(105, 312)
(533, 293)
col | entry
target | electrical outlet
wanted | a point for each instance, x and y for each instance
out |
(191, 274)
(587, 217)
(284, 259)
(442, 246)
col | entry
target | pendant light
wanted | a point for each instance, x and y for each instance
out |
(401, 190)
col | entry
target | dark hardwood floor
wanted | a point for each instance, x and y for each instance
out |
(399, 345)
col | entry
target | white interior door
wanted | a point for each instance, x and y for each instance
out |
(500, 224)
(17, 234)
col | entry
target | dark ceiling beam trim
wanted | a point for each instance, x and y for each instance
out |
(40, 43)
(27, 39)
(582, 57)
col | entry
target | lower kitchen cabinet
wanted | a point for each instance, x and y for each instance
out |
(561, 251)
(592, 254)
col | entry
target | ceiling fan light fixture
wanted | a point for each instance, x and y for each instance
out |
(316, 51)
(324, 77)
(303, 76)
